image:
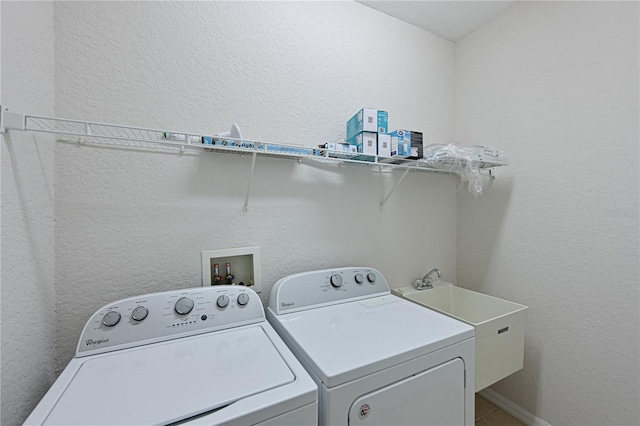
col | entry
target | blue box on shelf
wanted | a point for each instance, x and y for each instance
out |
(367, 120)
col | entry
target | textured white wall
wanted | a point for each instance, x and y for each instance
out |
(556, 85)
(131, 222)
(27, 212)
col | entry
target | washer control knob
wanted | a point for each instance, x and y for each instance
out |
(183, 306)
(222, 301)
(111, 318)
(336, 280)
(359, 278)
(243, 299)
(371, 277)
(139, 313)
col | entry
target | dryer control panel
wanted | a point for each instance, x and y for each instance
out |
(155, 317)
(326, 287)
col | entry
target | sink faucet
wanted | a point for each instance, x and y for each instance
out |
(427, 280)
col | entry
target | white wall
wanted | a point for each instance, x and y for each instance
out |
(133, 222)
(539, 77)
(27, 212)
(556, 85)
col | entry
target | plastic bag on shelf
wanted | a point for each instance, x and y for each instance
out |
(464, 160)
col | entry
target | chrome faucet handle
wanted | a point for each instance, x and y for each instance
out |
(421, 284)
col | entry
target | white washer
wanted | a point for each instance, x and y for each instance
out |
(377, 359)
(194, 356)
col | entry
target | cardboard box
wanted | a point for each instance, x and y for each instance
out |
(416, 146)
(383, 122)
(384, 145)
(341, 150)
(367, 142)
(341, 147)
(401, 142)
(367, 120)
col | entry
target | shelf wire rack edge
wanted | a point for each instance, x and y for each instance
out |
(98, 133)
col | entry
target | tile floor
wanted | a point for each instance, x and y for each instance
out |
(488, 414)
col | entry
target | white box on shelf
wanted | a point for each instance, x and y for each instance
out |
(367, 142)
(245, 266)
(401, 141)
(367, 120)
(384, 145)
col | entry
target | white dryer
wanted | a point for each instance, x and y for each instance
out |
(377, 359)
(196, 356)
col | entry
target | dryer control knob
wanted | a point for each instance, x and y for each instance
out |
(222, 301)
(359, 278)
(371, 277)
(139, 313)
(183, 306)
(111, 318)
(243, 299)
(336, 280)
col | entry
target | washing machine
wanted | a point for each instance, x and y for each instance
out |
(203, 356)
(377, 359)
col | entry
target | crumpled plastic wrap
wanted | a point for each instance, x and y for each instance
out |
(464, 160)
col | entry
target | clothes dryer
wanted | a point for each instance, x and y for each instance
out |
(377, 359)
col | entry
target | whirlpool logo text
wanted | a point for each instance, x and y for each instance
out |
(91, 342)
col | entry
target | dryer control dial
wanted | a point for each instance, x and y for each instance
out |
(359, 278)
(336, 280)
(243, 299)
(111, 318)
(139, 313)
(371, 277)
(183, 306)
(222, 301)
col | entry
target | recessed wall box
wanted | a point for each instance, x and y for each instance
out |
(244, 267)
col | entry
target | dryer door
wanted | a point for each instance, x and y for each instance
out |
(433, 397)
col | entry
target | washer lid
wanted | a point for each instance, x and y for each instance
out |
(351, 340)
(171, 381)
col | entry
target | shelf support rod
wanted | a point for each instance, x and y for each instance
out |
(253, 167)
(404, 175)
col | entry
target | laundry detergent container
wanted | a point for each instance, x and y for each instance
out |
(499, 326)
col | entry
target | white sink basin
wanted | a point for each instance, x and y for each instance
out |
(498, 323)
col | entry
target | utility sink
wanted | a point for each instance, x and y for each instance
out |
(498, 323)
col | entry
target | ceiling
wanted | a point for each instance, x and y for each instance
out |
(449, 19)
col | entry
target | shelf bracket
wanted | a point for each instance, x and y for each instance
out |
(393, 189)
(489, 171)
(253, 168)
(11, 120)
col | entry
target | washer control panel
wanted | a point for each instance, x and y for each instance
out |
(319, 288)
(168, 315)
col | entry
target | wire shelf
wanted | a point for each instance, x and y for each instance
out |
(96, 133)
